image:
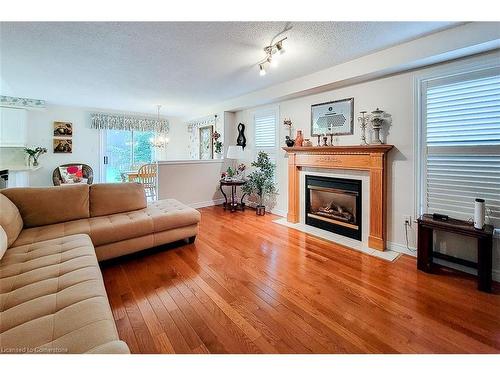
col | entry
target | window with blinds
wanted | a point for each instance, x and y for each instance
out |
(265, 125)
(462, 144)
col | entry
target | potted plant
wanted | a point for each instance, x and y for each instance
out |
(261, 181)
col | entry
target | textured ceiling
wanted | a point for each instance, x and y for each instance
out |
(181, 65)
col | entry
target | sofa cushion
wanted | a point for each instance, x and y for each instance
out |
(170, 213)
(157, 217)
(10, 219)
(50, 205)
(53, 300)
(108, 199)
(49, 232)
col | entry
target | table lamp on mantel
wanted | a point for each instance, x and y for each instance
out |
(235, 153)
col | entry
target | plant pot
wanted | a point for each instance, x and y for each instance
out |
(260, 210)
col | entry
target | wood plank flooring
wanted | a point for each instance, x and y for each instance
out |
(248, 285)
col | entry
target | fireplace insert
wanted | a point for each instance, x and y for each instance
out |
(334, 204)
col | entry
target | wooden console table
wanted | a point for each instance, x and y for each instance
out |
(426, 227)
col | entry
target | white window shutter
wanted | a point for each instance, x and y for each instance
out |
(462, 144)
(265, 125)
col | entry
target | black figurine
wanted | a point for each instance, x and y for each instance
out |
(241, 140)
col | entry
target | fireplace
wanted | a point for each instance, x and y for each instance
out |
(334, 204)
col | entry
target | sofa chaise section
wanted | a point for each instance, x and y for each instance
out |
(115, 216)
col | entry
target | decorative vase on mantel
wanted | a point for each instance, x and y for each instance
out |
(299, 139)
(377, 119)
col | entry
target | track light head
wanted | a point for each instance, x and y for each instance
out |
(262, 70)
(280, 48)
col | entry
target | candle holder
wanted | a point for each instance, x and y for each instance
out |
(325, 140)
(319, 140)
(363, 122)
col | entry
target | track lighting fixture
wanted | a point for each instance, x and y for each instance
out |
(272, 52)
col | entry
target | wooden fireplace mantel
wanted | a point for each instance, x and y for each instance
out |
(370, 158)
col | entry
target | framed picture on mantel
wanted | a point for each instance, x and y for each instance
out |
(336, 117)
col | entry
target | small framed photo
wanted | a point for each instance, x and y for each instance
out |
(63, 129)
(336, 117)
(63, 146)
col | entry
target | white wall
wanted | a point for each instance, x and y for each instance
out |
(195, 183)
(193, 135)
(86, 141)
(395, 95)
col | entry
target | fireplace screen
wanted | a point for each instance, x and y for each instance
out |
(334, 204)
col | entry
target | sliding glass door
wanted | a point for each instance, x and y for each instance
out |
(124, 151)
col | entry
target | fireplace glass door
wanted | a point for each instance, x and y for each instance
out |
(334, 204)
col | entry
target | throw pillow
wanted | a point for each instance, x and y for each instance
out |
(72, 174)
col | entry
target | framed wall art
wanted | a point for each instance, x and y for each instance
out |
(336, 117)
(63, 146)
(63, 129)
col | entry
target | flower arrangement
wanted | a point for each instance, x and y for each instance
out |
(230, 172)
(234, 172)
(288, 126)
(35, 154)
(217, 143)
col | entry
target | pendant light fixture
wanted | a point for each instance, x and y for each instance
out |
(158, 141)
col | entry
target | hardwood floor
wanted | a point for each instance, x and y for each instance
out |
(248, 285)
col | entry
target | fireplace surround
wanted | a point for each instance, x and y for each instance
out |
(371, 158)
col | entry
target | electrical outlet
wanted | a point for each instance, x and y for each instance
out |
(407, 220)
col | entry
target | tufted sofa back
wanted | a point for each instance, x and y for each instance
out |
(108, 199)
(40, 206)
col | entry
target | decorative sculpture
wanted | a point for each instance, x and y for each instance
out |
(241, 140)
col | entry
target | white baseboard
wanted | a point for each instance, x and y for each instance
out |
(401, 248)
(281, 213)
(207, 203)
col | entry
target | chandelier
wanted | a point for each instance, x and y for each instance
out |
(158, 141)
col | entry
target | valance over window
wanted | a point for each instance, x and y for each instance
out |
(128, 122)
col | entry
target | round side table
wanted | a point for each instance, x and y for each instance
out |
(233, 204)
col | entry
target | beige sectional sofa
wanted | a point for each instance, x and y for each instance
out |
(52, 296)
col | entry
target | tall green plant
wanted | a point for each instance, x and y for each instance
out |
(261, 181)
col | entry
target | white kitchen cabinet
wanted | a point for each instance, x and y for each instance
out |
(13, 127)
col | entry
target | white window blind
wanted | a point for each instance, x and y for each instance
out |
(462, 144)
(265, 125)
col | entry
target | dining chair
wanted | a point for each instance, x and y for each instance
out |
(148, 177)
